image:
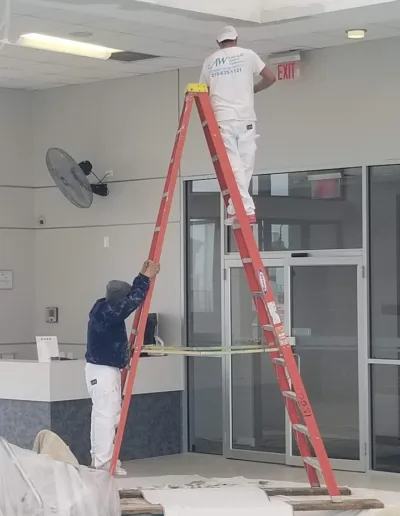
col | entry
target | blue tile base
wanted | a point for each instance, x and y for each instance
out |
(153, 428)
(21, 421)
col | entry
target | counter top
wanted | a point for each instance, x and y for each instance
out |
(65, 380)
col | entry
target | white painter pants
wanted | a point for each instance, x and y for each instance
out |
(104, 386)
(240, 143)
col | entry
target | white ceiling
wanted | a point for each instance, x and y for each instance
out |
(182, 38)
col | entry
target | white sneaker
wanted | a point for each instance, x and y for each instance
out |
(230, 220)
(119, 470)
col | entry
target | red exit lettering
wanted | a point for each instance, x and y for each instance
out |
(286, 71)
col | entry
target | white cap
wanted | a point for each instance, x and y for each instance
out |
(227, 33)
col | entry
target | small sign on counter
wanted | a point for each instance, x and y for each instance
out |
(47, 348)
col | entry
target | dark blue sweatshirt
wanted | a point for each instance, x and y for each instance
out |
(107, 341)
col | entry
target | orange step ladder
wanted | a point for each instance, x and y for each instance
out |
(290, 383)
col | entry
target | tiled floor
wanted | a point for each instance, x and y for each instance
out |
(214, 466)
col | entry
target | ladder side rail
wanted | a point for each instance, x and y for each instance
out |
(248, 249)
(137, 333)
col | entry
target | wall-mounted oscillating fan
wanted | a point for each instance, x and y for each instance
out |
(71, 178)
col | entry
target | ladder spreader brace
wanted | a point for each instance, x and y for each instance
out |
(298, 406)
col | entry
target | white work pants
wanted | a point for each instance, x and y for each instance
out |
(240, 143)
(104, 386)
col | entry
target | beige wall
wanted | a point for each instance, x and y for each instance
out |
(16, 217)
(344, 110)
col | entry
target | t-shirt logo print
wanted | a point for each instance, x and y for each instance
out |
(228, 65)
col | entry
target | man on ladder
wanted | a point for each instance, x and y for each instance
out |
(229, 73)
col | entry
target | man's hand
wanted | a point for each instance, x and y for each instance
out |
(268, 79)
(150, 269)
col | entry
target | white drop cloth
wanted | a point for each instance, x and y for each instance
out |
(391, 499)
(225, 501)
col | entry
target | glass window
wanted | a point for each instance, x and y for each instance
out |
(385, 261)
(308, 210)
(203, 309)
(385, 386)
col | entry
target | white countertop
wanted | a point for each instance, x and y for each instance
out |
(65, 380)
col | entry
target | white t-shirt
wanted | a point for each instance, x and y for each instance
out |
(229, 74)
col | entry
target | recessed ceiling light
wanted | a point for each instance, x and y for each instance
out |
(356, 33)
(65, 46)
(81, 34)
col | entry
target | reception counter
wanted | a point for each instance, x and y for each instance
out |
(36, 396)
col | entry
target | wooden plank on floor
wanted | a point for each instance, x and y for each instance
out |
(302, 491)
(130, 493)
(139, 507)
(350, 504)
(271, 491)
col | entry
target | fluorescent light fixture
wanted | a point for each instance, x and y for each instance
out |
(65, 46)
(356, 33)
(322, 177)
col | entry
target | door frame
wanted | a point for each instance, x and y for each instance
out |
(287, 262)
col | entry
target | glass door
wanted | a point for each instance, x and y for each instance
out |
(319, 300)
(325, 300)
(252, 392)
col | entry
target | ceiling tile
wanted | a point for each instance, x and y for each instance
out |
(116, 25)
(26, 24)
(181, 39)
(69, 16)
(394, 23)
(309, 41)
(25, 8)
(267, 47)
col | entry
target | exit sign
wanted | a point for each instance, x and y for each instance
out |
(287, 71)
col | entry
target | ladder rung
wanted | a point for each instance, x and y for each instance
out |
(313, 462)
(247, 260)
(267, 327)
(205, 123)
(157, 229)
(225, 192)
(164, 195)
(258, 294)
(279, 361)
(290, 394)
(134, 332)
(215, 158)
(302, 429)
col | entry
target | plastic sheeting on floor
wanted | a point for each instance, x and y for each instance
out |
(224, 501)
(38, 485)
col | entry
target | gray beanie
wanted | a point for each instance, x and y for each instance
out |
(117, 290)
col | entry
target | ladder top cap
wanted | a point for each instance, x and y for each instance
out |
(194, 87)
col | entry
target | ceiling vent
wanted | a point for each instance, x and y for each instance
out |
(126, 56)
